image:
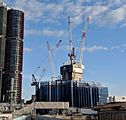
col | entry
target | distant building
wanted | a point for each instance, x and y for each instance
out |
(11, 54)
(112, 111)
(117, 99)
(82, 95)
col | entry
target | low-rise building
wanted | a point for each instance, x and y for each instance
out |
(112, 111)
(78, 94)
(117, 99)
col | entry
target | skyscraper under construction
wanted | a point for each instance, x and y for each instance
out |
(70, 87)
(12, 74)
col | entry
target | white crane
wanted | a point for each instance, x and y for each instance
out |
(69, 34)
(51, 58)
(72, 50)
(35, 82)
(77, 67)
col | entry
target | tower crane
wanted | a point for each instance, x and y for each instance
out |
(35, 82)
(71, 48)
(50, 58)
(69, 34)
(83, 38)
(74, 70)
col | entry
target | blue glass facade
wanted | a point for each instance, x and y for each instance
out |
(103, 92)
(82, 95)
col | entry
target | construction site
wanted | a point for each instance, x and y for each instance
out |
(67, 96)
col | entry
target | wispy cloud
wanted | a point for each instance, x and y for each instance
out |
(113, 17)
(107, 13)
(94, 48)
(27, 50)
(38, 11)
(46, 32)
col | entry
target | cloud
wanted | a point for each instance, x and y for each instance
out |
(46, 32)
(38, 11)
(95, 10)
(107, 13)
(31, 8)
(94, 48)
(27, 50)
(115, 3)
(113, 17)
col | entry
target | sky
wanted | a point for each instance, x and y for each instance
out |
(105, 46)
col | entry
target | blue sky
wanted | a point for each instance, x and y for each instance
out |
(105, 47)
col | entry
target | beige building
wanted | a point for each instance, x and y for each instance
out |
(117, 99)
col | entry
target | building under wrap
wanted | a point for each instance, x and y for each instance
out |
(82, 95)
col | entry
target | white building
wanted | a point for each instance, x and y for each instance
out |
(117, 99)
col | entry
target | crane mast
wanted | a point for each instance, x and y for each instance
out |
(74, 70)
(71, 48)
(35, 82)
(50, 58)
(69, 34)
(82, 46)
(83, 38)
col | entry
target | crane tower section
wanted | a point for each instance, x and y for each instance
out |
(74, 70)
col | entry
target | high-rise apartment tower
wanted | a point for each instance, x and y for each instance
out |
(3, 27)
(12, 74)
